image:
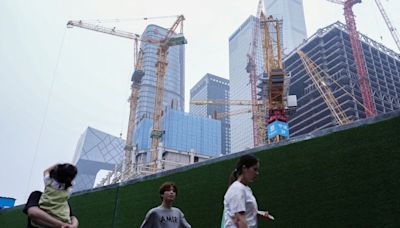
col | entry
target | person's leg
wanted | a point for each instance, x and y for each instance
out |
(40, 217)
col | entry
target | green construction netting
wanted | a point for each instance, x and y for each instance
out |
(345, 179)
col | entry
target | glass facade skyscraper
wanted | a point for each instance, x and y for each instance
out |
(292, 14)
(212, 87)
(95, 151)
(239, 45)
(174, 84)
(183, 132)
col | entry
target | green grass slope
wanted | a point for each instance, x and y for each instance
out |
(345, 179)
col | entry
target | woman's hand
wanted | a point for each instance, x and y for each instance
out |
(240, 220)
(47, 171)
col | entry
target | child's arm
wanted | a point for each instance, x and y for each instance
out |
(46, 172)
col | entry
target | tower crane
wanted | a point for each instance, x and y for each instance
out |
(274, 82)
(135, 86)
(389, 24)
(365, 88)
(322, 87)
(133, 101)
(161, 66)
(273, 94)
(162, 52)
(251, 68)
(102, 29)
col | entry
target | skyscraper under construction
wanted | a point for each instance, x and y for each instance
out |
(174, 84)
(331, 51)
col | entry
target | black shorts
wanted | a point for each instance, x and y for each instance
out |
(33, 201)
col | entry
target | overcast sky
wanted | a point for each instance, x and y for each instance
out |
(54, 81)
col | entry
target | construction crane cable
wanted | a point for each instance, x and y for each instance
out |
(389, 24)
(377, 25)
(49, 95)
(122, 85)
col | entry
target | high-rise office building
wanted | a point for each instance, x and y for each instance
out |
(330, 49)
(212, 87)
(174, 84)
(292, 14)
(183, 132)
(95, 151)
(239, 44)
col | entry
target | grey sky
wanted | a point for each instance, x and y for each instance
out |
(41, 119)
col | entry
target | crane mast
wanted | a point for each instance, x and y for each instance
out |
(275, 83)
(136, 79)
(389, 24)
(365, 88)
(272, 83)
(161, 66)
(251, 68)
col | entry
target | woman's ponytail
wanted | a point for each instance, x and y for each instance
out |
(247, 160)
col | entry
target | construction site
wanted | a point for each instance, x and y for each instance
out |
(334, 77)
(321, 112)
(337, 75)
(156, 153)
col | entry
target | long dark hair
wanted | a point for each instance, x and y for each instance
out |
(64, 174)
(247, 161)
